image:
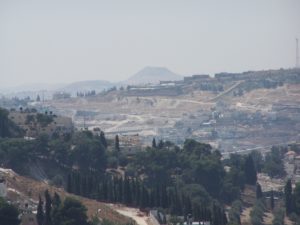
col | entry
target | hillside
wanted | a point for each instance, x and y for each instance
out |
(232, 111)
(152, 75)
(27, 190)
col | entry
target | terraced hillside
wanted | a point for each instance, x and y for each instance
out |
(233, 112)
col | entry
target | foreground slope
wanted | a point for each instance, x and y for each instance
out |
(24, 190)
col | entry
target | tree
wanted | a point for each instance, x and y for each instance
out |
(250, 171)
(72, 212)
(103, 139)
(117, 144)
(278, 217)
(288, 197)
(234, 213)
(56, 208)
(8, 214)
(160, 144)
(272, 200)
(297, 198)
(259, 193)
(153, 143)
(273, 165)
(48, 208)
(40, 212)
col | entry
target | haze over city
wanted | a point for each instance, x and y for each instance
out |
(65, 41)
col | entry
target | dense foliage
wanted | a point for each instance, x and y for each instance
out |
(8, 214)
(7, 127)
(83, 151)
(55, 211)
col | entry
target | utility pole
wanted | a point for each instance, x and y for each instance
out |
(297, 54)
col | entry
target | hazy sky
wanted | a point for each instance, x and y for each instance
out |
(59, 41)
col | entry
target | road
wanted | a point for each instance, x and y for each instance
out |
(133, 213)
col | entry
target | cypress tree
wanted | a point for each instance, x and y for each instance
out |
(288, 197)
(120, 190)
(272, 200)
(48, 208)
(40, 212)
(160, 144)
(138, 192)
(103, 139)
(250, 171)
(55, 211)
(109, 190)
(154, 143)
(117, 144)
(69, 183)
(259, 193)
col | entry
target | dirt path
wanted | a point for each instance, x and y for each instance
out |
(227, 91)
(133, 213)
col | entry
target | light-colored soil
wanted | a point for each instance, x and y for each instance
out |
(139, 217)
(245, 216)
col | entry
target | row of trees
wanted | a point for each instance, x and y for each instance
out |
(133, 192)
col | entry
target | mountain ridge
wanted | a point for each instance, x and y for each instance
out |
(151, 74)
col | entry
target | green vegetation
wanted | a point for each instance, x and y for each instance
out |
(178, 180)
(235, 212)
(288, 197)
(257, 213)
(278, 217)
(259, 193)
(292, 201)
(8, 214)
(7, 127)
(55, 211)
(184, 180)
(44, 119)
(273, 165)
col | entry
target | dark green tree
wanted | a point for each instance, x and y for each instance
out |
(40, 215)
(297, 198)
(154, 143)
(4, 127)
(103, 139)
(72, 212)
(8, 214)
(48, 208)
(117, 144)
(56, 204)
(288, 197)
(69, 183)
(272, 202)
(160, 144)
(259, 193)
(250, 171)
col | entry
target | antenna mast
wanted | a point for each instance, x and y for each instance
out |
(297, 54)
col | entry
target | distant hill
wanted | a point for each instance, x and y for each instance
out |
(88, 85)
(152, 75)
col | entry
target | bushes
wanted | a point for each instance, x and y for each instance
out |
(234, 212)
(257, 213)
(278, 217)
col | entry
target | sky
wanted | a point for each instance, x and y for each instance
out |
(61, 41)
